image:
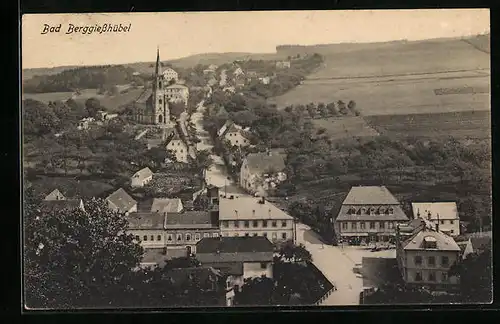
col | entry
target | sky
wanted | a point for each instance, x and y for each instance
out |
(182, 34)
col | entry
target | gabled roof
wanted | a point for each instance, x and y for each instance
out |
(143, 173)
(166, 205)
(370, 195)
(445, 210)
(239, 244)
(264, 162)
(145, 220)
(428, 233)
(244, 207)
(380, 215)
(144, 96)
(169, 69)
(55, 192)
(189, 219)
(56, 205)
(122, 200)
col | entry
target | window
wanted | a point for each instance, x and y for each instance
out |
(372, 225)
(236, 224)
(236, 141)
(452, 222)
(159, 101)
(182, 151)
(382, 225)
(362, 225)
(432, 261)
(444, 276)
(206, 234)
(442, 222)
(418, 276)
(225, 224)
(263, 265)
(451, 231)
(137, 238)
(274, 235)
(264, 223)
(254, 234)
(390, 225)
(275, 224)
(179, 237)
(216, 235)
(344, 225)
(432, 276)
(255, 223)
(145, 238)
(354, 225)
(158, 238)
(265, 234)
(197, 236)
(445, 261)
(246, 224)
(283, 236)
(418, 260)
(152, 237)
(169, 237)
(247, 235)
(283, 223)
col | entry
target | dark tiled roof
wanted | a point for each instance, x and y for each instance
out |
(234, 244)
(70, 204)
(370, 195)
(145, 220)
(443, 241)
(144, 96)
(122, 200)
(397, 215)
(264, 162)
(189, 219)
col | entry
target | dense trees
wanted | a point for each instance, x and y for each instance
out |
(74, 258)
(39, 119)
(89, 77)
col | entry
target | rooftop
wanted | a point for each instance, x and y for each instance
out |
(431, 210)
(370, 195)
(189, 219)
(397, 214)
(57, 205)
(143, 173)
(265, 162)
(229, 268)
(145, 220)
(177, 86)
(427, 233)
(156, 256)
(246, 207)
(237, 244)
(144, 96)
(166, 205)
(178, 277)
(122, 200)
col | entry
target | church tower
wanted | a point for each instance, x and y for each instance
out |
(160, 104)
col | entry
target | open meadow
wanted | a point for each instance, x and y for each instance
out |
(346, 126)
(399, 78)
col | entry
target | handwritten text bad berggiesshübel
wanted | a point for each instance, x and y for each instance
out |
(87, 30)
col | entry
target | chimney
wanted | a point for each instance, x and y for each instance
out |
(429, 215)
(437, 223)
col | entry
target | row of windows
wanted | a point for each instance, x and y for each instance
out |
(274, 235)
(431, 276)
(255, 223)
(443, 221)
(431, 260)
(371, 225)
(170, 237)
(371, 211)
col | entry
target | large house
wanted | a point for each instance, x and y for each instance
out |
(152, 105)
(147, 228)
(246, 216)
(426, 256)
(369, 214)
(184, 230)
(170, 75)
(178, 147)
(443, 213)
(142, 177)
(261, 172)
(121, 202)
(167, 205)
(235, 134)
(55, 195)
(238, 258)
(177, 93)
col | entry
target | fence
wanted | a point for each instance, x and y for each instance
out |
(325, 296)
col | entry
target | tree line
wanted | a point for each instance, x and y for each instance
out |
(92, 77)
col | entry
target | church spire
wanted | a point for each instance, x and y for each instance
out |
(158, 63)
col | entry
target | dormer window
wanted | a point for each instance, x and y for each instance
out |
(391, 211)
(363, 210)
(430, 242)
(381, 210)
(372, 210)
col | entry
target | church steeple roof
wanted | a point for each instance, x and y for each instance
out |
(158, 63)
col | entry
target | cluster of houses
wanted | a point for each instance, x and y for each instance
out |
(427, 244)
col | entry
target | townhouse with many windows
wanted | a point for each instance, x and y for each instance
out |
(368, 214)
(242, 215)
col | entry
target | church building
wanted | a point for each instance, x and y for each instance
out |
(152, 105)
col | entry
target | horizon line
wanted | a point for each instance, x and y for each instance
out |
(256, 53)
